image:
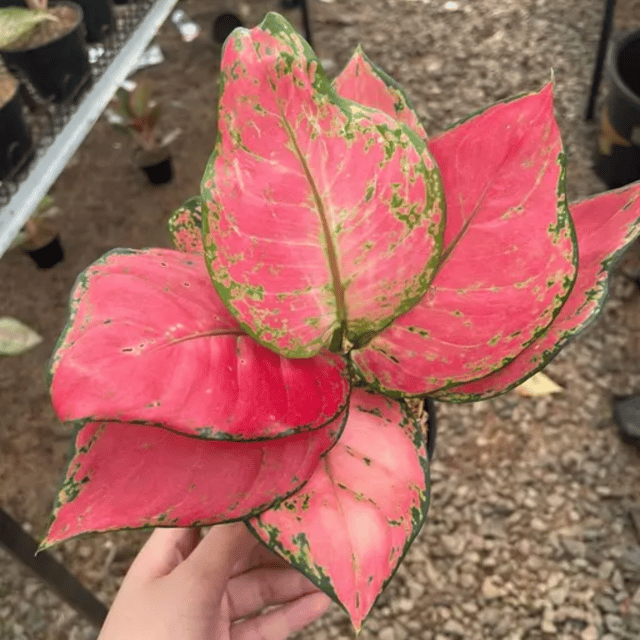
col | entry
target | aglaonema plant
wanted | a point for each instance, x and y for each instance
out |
(336, 265)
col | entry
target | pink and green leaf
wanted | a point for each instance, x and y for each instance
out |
(128, 476)
(185, 227)
(349, 527)
(509, 259)
(365, 83)
(605, 226)
(321, 220)
(149, 341)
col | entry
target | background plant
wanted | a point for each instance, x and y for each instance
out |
(139, 116)
(38, 222)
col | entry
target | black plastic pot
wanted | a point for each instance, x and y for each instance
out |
(98, 18)
(16, 150)
(626, 414)
(618, 159)
(49, 255)
(58, 70)
(432, 427)
(160, 172)
(223, 25)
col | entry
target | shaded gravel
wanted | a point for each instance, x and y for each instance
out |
(534, 528)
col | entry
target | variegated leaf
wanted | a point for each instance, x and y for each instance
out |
(131, 476)
(149, 341)
(185, 226)
(321, 220)
(509, 260)
(350, 526)
(365, 83)
(605, 226)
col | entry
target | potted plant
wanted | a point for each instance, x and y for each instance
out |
(15, 137)
(39, 237)
(137, 116)
(98, 16)
(336, 267)
(47, 45)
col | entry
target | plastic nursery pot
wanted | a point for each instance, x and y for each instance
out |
(98, 18)
(58, 69)
(626, 414)
(16, 150)
(158, 167)
(618, 158)
(432, 426)
(223, 24)
(49, 255)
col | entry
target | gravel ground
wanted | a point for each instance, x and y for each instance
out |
(534, 526)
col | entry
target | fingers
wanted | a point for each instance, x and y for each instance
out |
(163, 552)
(259, 556)
(213, 559)
(253, 591)
(279, 623)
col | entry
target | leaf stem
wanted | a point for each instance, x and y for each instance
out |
(332, 254)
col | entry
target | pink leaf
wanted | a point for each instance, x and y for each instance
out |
(149, 341)
(322, 221)
(131, 476)
(365, 83)
(349, 527)
(185, 226)
(509, 260)
(605, 226)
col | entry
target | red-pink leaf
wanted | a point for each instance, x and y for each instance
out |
(149, 341)
(130, 476)
(185, 227)
(365, 83)
(321, 220)
(605, 226)
(349, 527)
(509, 260)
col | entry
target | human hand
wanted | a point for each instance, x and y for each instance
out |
(182, 587)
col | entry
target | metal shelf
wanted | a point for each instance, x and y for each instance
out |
(65, 127)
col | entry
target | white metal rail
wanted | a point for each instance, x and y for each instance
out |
(44, 170)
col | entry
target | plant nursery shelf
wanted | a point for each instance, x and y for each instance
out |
(59, 129)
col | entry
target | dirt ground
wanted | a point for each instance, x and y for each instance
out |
(106, 202)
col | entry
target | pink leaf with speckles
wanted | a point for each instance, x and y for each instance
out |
(605, 226)
(349, 527)
(149, 341)
(321, 220)
(365, 83)
(131, 476)
(185, 226)
(509, 258)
